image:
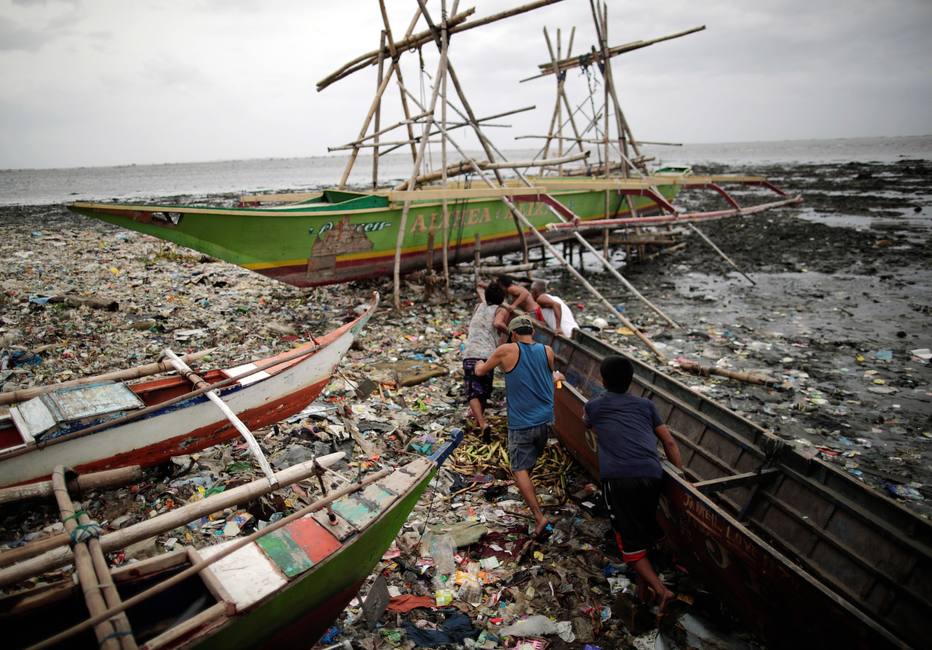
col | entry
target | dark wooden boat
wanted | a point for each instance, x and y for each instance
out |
(802, 551)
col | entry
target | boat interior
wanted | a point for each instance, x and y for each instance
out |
(861, 543)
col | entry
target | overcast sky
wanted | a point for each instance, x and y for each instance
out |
(104, 82)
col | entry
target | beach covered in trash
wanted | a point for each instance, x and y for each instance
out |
(839, 314)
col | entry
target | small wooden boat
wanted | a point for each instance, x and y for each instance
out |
(806, 554)
(280, 587)
(102, 425)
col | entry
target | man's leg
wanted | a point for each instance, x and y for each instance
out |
(645, 571)
(475, 406)
(523, 479)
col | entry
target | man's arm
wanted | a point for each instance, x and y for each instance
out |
(669, 445)
(489, 365)
(500, 322)
(546, 301)
(557, 375)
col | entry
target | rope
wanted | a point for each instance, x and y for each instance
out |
(85, 533)
(114, 635)
(76, 515)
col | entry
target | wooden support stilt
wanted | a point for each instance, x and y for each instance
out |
(378, 114)
(719, 251)
(443, 152)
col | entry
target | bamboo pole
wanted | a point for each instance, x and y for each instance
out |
(396, 58)
(422, 38)
(378, 114)
(147, 370)
(107, 628)
(203, 564)
(719, 251)
(486, 144)
(178, 517)
(83, 483)
(244, 431)
(399, 240)
(376, 102)
(464, 167)
(556, 254)
(568, 63)
(443, 149)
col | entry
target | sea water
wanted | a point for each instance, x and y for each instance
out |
(44, 186)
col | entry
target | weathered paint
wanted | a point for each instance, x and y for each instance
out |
(847, 566)
(301, 611)
(316, 541)
(287, 555)
(318, 243)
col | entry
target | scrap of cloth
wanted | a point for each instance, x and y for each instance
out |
(456, 628)
(408, 602)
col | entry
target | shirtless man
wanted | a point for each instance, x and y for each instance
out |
(521, 299)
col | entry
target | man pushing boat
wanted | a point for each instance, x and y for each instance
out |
(529, 385)
(627, 429)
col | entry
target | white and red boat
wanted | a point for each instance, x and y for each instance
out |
(92, 425)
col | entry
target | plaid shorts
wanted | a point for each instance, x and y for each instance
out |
(526, 445)
(476, 387)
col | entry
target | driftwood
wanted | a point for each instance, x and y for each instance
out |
(92, 302)
(705, 371)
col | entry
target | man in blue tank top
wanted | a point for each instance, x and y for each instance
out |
(628, 428)
(529, 382)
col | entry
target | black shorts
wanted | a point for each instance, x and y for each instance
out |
(632, 504)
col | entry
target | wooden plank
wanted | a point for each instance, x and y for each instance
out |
(455, 193)
(738, 480)
(339, 528)
(285, 552)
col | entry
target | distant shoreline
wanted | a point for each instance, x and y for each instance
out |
(135, 182)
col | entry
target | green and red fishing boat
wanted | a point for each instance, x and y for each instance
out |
(337, 236)
(281, 587)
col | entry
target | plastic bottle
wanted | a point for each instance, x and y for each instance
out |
(441, 551)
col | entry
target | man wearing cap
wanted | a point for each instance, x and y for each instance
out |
(529, 382)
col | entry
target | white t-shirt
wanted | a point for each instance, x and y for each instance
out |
(567, 321)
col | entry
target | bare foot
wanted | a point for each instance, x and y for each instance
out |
(543, 530)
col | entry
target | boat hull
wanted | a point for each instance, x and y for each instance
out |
(802, 552)
(323, 244)
(191, 425)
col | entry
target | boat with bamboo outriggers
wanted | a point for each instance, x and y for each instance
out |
(279, 587)
(803, 552)
(343, 234)
(105, 422)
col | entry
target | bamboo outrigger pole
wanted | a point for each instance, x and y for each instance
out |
(525, 222)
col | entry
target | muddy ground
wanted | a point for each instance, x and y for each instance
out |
(841, 300)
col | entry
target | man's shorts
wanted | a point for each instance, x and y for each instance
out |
(476, 387)
(526, 445)
(632, 505)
